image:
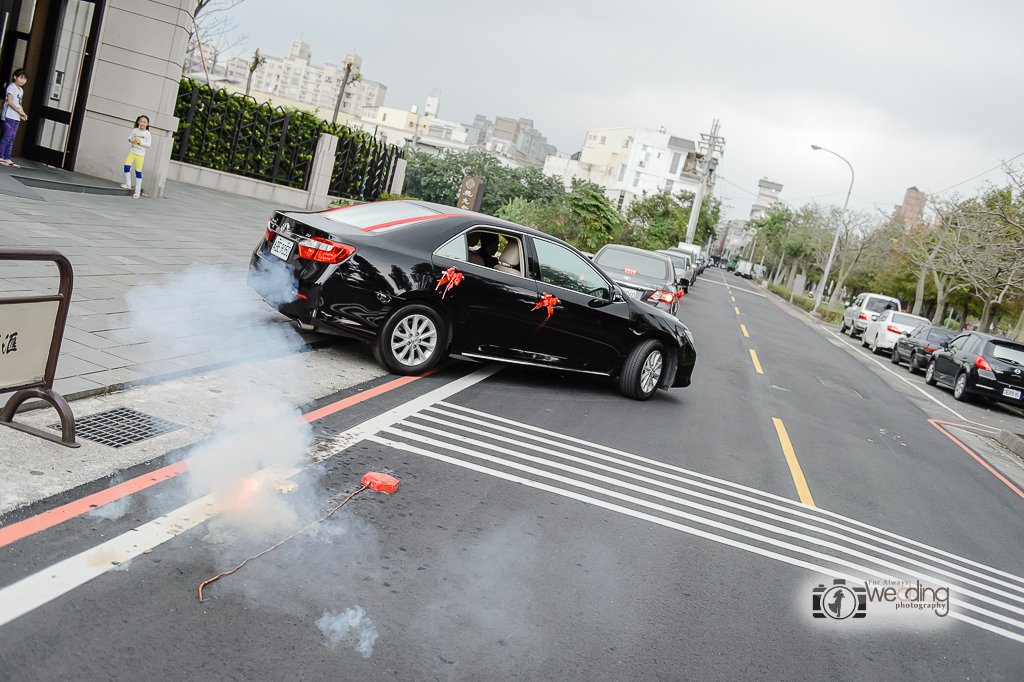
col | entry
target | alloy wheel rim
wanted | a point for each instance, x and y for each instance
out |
(931, 372)
(961, 384)
(413, 340)
(651, 372)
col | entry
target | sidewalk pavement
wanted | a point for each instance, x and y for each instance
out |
(159, 284)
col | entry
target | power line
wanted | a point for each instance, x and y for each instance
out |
(980, 174)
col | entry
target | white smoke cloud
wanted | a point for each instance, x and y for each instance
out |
(350, 626)
(111, 511)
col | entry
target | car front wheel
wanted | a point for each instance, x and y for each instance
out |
(412, 341)
(912, 364)
(929, 375)
(642, 370)
(895, 358)
(843, 327)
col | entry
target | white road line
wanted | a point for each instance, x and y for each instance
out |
(419, 438)
(398, 445)
(908, 382)
(46, 585)
(645, 477)
(778, 502)
(723, 284)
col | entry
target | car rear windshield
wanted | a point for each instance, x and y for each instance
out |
(877, 305)
(368, 217)
(678, 261)
(1013, 353)
(908, 320)
(645, 266)
(940, 335)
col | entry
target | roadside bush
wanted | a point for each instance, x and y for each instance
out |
(827, 314)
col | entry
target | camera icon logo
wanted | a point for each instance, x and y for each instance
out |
(839, 601)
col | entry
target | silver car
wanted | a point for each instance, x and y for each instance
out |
(685, 270)
(864, 310)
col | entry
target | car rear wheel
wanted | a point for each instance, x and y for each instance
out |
(641, 373)
(843, 327)
(411, 341)
(929, 375)
(960, 387)
(912, 364)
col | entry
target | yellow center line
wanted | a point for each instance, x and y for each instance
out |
(794, 466)
(757, 364)
(736, 308)
(733, 298)
(744, 328)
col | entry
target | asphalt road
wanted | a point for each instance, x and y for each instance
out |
(547, 528)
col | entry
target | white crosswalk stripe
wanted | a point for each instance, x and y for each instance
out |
(702, 505)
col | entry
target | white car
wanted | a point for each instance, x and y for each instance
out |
(886, 330)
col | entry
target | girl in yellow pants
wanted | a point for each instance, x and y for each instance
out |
(141, 139)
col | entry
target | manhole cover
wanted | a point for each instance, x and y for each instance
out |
(121, 426)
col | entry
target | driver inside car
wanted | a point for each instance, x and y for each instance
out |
(487, 250)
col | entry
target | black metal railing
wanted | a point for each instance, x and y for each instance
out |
(237, 135)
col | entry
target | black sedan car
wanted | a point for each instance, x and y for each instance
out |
(420, 281)
(916, 347)
(642, 275)
(980, 364)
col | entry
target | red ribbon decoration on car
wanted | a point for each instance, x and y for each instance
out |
(546, 301)
(449, 279)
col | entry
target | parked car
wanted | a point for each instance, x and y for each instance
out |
(980, 364)
(693, 251)
(864, 309)
(686, 273)
(883, 332)
(420, 280)
(916, 348)
(642, 275)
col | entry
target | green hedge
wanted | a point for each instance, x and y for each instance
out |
(827, 314)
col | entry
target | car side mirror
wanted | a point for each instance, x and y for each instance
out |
(944, 344)
(617, 295)
(906, 334)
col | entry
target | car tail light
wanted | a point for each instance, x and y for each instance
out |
(982, 363)
(893, 329)
(863, 316)
(680, 293)
(930, 350)
(324, 250)
(662, 297)
(269, 234)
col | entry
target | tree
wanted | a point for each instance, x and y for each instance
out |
(212, 24)
(257, 61)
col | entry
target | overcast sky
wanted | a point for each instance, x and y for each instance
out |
(911, 93)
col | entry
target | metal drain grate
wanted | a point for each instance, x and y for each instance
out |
(121, 426)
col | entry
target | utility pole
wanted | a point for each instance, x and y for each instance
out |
(341, 95)
(711, 144)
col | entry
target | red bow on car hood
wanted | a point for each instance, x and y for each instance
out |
(449, 279)
(546, 301)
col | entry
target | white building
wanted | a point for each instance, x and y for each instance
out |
(294, 78)
(627, 162)
(767, 195)
(400, 127)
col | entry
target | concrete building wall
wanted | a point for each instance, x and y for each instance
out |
(137, 69)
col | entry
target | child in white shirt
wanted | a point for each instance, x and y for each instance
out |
(13, 115)
(141, 139)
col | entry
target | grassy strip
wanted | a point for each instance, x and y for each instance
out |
(827, 314)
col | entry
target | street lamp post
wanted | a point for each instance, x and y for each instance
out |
(835, 242)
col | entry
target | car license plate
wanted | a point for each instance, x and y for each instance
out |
(632, 293)
(1011, 393)
(282, 247)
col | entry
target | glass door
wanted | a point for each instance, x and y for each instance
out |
(59, 104)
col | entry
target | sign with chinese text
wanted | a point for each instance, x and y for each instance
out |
(26, 330)
(471, 194)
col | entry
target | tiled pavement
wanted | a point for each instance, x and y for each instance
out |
(159, 287)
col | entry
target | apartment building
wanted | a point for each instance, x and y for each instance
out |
(627, 162)
(514, 139)
(767, 195)
(295, 78)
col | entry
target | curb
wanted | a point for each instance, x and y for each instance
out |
(310, 345)
(1012, 442)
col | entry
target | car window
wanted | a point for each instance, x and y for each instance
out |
(562, 268)
(469, 248)
(876, 305)
(975, 344)
(908, 320)
(454, 248)
(1009, 352)
(653, 266)
(859, 301)
(959, 342)
(940, 335)
(916, 333)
